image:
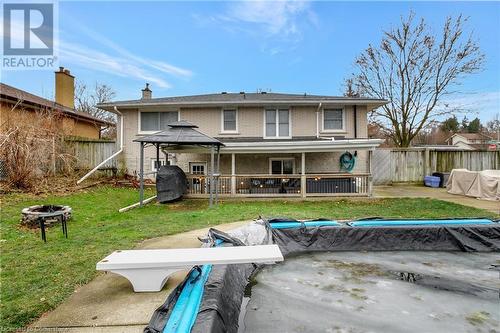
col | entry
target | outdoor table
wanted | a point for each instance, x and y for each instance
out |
(43, 217)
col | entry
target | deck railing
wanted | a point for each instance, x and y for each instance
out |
(283, 185)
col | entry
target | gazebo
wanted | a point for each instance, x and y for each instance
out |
(181, 133)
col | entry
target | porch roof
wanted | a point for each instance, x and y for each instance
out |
(291, 146)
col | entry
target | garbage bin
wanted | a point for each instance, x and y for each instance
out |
(443, 178)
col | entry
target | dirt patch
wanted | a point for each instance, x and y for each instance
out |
(356, 270)
(478, 318)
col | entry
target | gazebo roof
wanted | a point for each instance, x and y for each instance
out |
(182, 133)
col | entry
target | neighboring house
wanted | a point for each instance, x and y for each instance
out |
(274, 144)
(470, 141)
(69, 121)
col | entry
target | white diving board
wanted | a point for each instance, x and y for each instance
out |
(149, 270)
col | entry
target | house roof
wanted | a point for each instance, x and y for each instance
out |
(15, 94)
(472, 136)
(180, 133)
(243, 99)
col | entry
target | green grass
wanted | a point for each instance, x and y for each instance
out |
(36, 277)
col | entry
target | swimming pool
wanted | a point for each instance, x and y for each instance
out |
(220, 305)
(376, 292)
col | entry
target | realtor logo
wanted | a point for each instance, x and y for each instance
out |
(28, 35)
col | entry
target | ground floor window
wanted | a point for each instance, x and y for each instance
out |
(197, 168)
(282, 166)
(155, 165)
(198, 185)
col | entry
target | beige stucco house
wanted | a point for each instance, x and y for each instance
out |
(274, 144)
(469, 141)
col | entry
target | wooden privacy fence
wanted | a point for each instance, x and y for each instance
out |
(411, 165)
(88, 153)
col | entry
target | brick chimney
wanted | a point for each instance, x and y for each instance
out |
(65, 88)
(146, 92)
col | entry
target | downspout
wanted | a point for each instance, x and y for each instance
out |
(317, 120)
(112, 156)
(355, 121)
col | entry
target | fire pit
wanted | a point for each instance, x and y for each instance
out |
(51, 214)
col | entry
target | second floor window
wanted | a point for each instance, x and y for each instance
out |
(229, 120)
(333, 119)
(277, 123)
(157, 121)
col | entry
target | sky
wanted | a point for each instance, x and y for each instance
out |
(184, 48)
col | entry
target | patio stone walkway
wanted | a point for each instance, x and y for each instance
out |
(108, 304)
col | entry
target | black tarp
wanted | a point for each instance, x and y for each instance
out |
(223, 294)
(482, 238)
(171, 183)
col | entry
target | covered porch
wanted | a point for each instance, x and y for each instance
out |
(281, 169)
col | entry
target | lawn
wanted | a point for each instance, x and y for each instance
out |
(36, 277)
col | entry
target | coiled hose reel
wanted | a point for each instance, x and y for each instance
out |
(348, 161)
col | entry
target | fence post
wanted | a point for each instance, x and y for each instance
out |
(54, 155)
(427, 170)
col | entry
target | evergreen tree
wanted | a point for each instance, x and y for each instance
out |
(474, 126)
(450, 125)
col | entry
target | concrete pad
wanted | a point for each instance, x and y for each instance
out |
(108, 302)
(413, 191)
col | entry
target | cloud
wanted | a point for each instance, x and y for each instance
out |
(110, 58)
(483, 104)
(160, 66)
(111, 64)
(268, 19)
(274, 17)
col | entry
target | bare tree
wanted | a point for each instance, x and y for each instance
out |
(31, 144)
(86, 99)
(493, 126)
(350, 90)
(414, 69)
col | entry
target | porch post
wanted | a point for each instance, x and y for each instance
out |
(370, 176)
(141, 176)
(233, 174)
(303, 180)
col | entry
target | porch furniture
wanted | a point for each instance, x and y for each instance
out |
(274, 185)
(149, 270)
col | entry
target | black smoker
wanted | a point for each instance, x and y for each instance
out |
(171, 183)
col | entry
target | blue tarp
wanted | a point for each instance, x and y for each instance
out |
(283, 225)
(387, 223)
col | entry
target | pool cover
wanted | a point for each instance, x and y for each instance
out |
(390, 292)
(223, 293)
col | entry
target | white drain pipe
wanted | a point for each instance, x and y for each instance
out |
(317, 120)
(112, 156)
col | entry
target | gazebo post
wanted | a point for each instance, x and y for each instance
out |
(157, 157)
(141, 176)
(211, 185)
(217, 177)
